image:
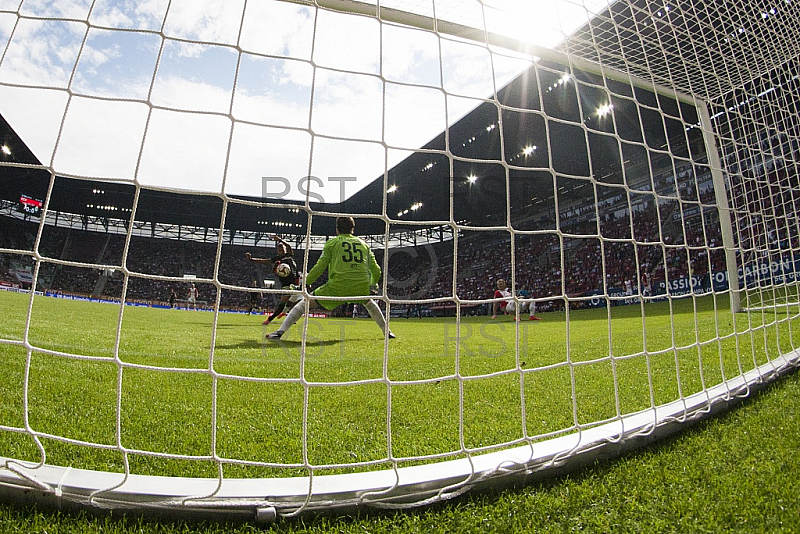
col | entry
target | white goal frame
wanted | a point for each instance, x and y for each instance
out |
(266, 500)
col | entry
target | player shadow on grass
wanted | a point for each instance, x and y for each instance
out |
(279, 344)
(243, 344)
(310, 343)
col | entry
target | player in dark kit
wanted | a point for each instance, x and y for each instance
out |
(172, 297)
(255, 299)
(284, 254)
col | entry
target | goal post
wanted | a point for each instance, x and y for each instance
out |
(721, 196)
(616, 172)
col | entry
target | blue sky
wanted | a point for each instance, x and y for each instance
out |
(120, 99)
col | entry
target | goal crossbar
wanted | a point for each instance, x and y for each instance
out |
(483, 36)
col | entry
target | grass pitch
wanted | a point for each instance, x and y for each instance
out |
(105, 383)
(93, 398)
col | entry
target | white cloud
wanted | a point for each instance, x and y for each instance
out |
(205, 20)
(95, 57)
(273, 91)
(147, 11)
(73, 9)
(410, 56)
(130, 14)
(270, 111)
(347, 42)
(114, 65)
(185, 151)
(93, 144)
(413, 126)
(42, 52)
(467, 69)
(190, 95)
(260, 154)
(278, 29)
(109, 15)
(334, 159)
(203, 82)
(35, 116)
(347, 105)
(7, 21)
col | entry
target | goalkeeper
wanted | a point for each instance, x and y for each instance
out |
(352, 272)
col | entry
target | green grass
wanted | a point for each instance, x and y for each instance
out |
(164, 380)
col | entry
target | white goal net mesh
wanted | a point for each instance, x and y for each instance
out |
(585, 215)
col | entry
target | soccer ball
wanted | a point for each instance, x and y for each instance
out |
(283, 269)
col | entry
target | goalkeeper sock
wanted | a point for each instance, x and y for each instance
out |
(294, 314)
(375, 313)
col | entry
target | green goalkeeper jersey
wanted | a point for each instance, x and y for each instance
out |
(351, 265)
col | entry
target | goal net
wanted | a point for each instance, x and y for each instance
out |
(585, 215)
